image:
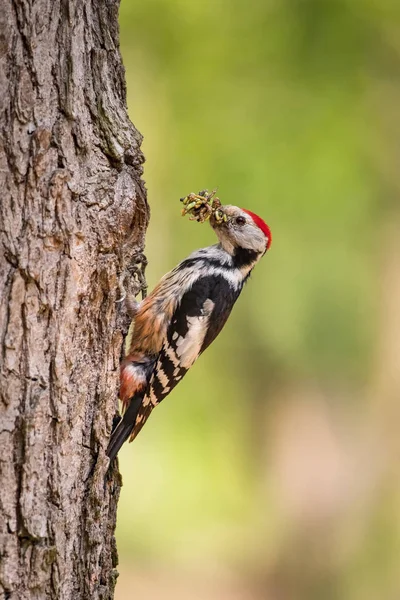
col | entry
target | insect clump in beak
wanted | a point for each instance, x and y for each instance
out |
(204, 206)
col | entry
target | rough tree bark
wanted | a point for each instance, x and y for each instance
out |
(72, 213)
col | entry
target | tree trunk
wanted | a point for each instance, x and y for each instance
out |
(72, 214)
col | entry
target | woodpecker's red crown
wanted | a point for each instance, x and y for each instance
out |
(238, 228)
(262, 225)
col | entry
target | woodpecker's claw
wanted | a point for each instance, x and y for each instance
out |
(133, 279)
(137, 270)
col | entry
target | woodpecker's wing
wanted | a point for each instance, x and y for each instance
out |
(196, 322)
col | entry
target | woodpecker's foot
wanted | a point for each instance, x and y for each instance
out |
(137, 270)
(132, 281)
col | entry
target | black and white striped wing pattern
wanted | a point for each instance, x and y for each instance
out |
(197, 321)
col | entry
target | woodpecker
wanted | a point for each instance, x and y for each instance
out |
(184, 314)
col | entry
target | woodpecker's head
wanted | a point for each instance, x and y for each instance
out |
(240, 229)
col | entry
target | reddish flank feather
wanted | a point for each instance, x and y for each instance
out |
(262, 225)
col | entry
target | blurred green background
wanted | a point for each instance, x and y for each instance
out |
(272, 471)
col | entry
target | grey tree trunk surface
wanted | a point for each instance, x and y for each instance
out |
(73, 212)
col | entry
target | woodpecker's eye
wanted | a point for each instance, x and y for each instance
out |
(240, 220)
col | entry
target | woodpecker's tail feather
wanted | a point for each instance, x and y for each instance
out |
(124, 428)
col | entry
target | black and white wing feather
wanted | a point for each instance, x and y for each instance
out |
(197, 321)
